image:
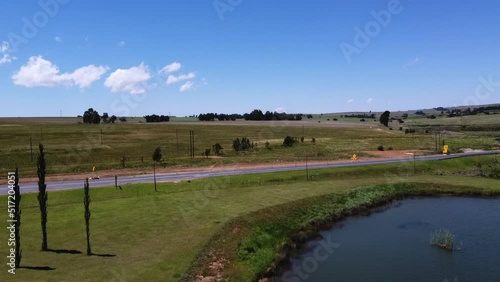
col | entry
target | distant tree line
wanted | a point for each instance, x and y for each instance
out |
(91, 116)
(473, 111)
(156, 118)
(371, 116)
(220, 117)
(259, 115)
(254, 115)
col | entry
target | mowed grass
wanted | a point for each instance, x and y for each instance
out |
(146, 236)
(73, 148)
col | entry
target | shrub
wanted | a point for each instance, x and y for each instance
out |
(313, 140)
(268, 145)
(243, 145)
(380, 147)
(289, 141)
(390, 148)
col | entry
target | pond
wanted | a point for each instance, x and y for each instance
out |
(393, 244)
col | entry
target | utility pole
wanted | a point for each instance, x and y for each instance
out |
(192, 152)
(191, 144)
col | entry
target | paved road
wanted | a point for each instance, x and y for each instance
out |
(172, 177)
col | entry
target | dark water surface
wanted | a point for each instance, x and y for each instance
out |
(393, 245)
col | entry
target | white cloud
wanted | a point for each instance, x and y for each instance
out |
(413, 62)
(186, 86)
(121, 43)
(4, 47)
(85, 76)
(40, 72)
(174, 79)
(350, 101)
(369, 101)
(173, 67)
(128, 80)
(280, 109)
(5, 57)
(58, 39)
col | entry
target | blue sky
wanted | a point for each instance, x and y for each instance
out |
(184, 57)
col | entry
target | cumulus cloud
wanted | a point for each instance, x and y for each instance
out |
(186, 86)
(128, 80)
(173, 67)
(174, 79)
(58, 38)
(40, 72)
(5, 57)
(369, 101)
(350, 101)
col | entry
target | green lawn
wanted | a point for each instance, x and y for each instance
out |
(154, 235)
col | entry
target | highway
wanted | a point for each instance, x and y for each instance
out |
(203, 173)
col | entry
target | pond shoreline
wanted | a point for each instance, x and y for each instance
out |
(282, 231)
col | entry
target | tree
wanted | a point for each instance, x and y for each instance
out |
(207, 153)
(91, 116)
(385, 117)
(17, 217)
(217, 149)
(112, 119)
(289, 141)
(156, 158)
(42, 195)
(105, 117)
(243, 145)
(86, 203)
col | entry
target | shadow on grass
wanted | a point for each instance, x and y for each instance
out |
(73, 252)
(104, 255)
(42, 268)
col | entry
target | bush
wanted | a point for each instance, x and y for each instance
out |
(380, 147)
(217, 149)
(313, 140)
(243, 145)
(390, 148)
(289, 141)
(362, 120)
(268, 145)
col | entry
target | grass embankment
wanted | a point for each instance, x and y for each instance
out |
(159, 235)
(258, 244)
(74, 148)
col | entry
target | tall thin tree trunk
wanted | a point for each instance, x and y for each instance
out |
(86, 202)
(42, 195)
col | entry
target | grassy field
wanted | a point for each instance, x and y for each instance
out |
(73, 147)
(140, 235)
